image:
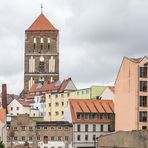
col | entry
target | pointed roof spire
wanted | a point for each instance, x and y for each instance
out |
(41, 24)
(41, 8)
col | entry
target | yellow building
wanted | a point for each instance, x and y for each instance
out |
(55, 105)
(57, 102)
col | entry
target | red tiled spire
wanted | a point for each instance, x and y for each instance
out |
(41, 24)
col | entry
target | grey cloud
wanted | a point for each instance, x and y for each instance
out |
(94, 37)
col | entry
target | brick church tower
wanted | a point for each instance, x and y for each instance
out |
(41, 52)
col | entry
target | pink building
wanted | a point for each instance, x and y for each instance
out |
(131, 94)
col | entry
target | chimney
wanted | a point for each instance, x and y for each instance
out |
(4, 96)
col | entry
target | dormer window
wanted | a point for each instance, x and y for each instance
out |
(86, 116)
(78, 116)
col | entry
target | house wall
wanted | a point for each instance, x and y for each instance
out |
(90, 142)
(107, 94)
(127, 96)
(3, 135)
(22, 110)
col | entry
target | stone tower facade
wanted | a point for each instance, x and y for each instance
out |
(41, 53)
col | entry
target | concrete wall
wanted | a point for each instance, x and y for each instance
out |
(124, 139)
(107, 94)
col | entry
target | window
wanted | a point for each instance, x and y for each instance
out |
(45, 139)
(143, 86)
(38, 127)
(62, 95)
(56, 113)
(66, 138)
(59, 138)
(93, 116)
(94, 137)
(42, 40)
(78, 137)
(94, 127)
(30, 128)
(62, 112)
(34, 41)
(49, 96)
(17, 108)
(56, 104)
(143, 116)
(143, 101)
(49, 104)
(45, 128)
(41, 67)
(23, 128)
(78, 116)
(68, 94)
(52, 138)
(143, 72)
(86, 137)
(48, 43)
(49, 113)
(102, 128)
(109, 128)
(66, 128)
(86, 128)
(38, 138)
(11, 108)
(56, 96)
(15, 138)
(86, 116)
(144, 127)
(62, 103)
(15, 128)
(78, 127)
(30, 138)
(23, 138)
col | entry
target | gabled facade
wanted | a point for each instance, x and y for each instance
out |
(90, 118)
(108, 93)
(18, 106)
(131, 94)
(41, 53)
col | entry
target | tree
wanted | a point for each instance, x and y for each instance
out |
(2, 144)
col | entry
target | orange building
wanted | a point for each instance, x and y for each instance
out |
(131, 94)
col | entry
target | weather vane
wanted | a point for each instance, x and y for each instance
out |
(41, 8)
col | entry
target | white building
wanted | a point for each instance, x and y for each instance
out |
(90, 119)
(18, 106)
(108, 93)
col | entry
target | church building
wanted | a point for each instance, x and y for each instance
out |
(41, 53)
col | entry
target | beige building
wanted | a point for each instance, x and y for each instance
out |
(124, 139)
(24, 131)
(131, 94)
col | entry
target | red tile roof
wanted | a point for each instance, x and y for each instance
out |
(2, 115)
(23, 102)
(41, 24)
(90, 106)
(48, 86)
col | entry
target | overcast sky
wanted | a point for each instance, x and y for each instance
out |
(94, 37)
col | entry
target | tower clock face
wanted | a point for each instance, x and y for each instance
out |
(41, 59)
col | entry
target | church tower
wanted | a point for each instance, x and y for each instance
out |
(41, 53)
